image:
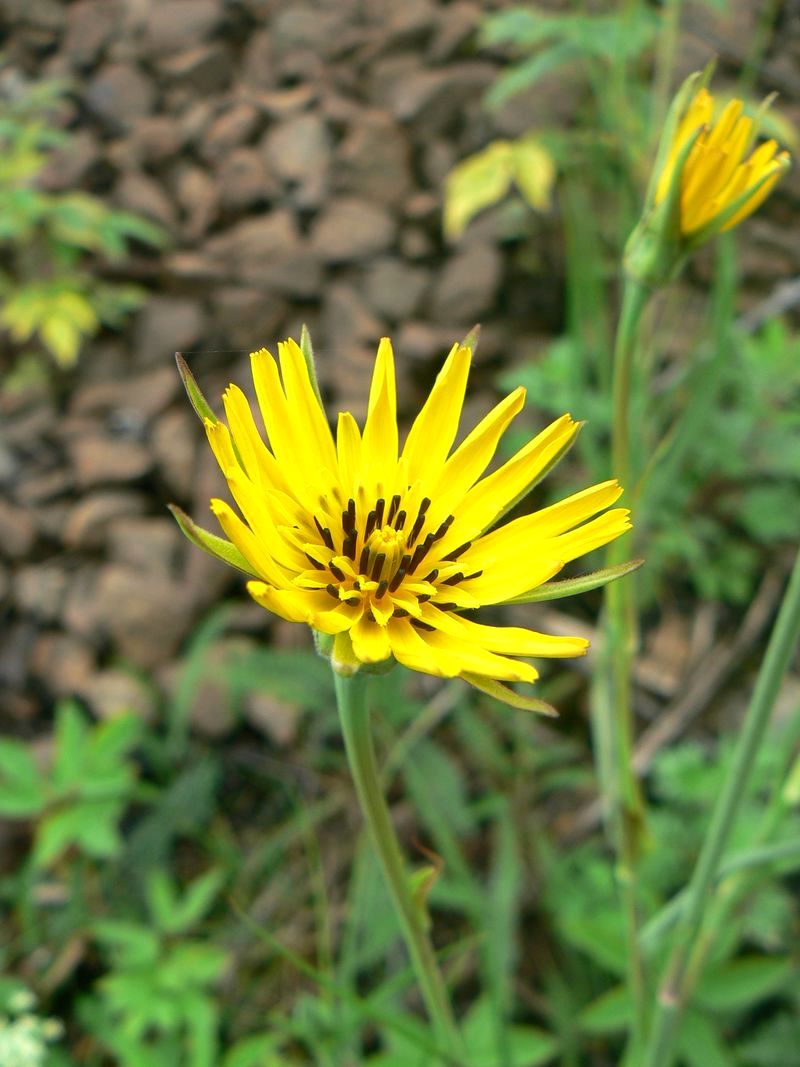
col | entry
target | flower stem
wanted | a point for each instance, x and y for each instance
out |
(674, 987)
(351, 694)
(620, 790)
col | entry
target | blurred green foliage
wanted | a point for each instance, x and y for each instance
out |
(223, 930)
(51, 243)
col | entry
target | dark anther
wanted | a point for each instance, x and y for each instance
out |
(383, 585)
(363, 559)
(394, 504)
(419, 522)
(331, 588)
(423, 597)
(349, 544)
(399, 575)
(336, 572)
(380, 505)
(454, 579)
(370, 523)
(401, 613)
(448, 522)
(377, 566)
(349, 516)
(453, 556)
(475, 574)
(432, 576)
(446, 607)
(421, 551)
(324, 533)
(400, 521)
(352, 600)
(315, 563)
(420, 625)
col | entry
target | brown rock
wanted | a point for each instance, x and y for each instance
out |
(203, 71)
(248, 317)
(193, 267)
(87, 522)
(298, 150)
(176, 24)
(121, 95)
(352, 229)
(5, 584)
(456, 24)
(168, 324)
(145, 196)
(280, 103)
(133, 401)
(116, 692)
(79, 614)
(468, 284)
(394, 289)
(45, 487)
(258, 67)
(100, 459)
(38, 589)
(232, 128)
(174, 442)
(198, 196)
(211, 708)
(62, 662)
(155, 138)
(434, 96)
(312, 27)
(67, 166)
(90, 25)
(268, 251)
(17, 530)
(374, 160)
(276, 719)
(351, 334)
(146, 616)
(244, 180)
(145, 545)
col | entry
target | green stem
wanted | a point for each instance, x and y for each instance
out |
(620, 790)
(351, 694)
(674, 987)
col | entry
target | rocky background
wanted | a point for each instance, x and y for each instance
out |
(295, 152)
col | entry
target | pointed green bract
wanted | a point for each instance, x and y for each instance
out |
(215, 546)
(573, 586)
(509, 696)
(308, 355)
(199, 402)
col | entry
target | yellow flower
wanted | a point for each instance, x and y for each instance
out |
(721, 169)
(387, 548)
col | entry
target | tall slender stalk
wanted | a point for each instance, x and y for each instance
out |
(351, 694)
(674, 986)
(619, 787)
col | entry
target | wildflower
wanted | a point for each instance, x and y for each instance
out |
(386, 549)
(708, 178)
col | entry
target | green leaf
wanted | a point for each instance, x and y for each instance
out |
(71, 736)
(525, 75)
(216, 546)
(700, 1044)
(130, 944)
(534, 171)
(574, 586)
(175, 915)
(257, 1050)
(741, 983)
(199, 402)
(22, 791)
(476, 183)
(611, 1013)
(525, 1046)
(509, 696)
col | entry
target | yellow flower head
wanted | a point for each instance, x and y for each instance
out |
(388, 548)
(722, 169)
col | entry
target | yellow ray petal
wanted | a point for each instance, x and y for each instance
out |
(379, 441)
(495, 494)
(524, 534)
(513, 576)
(279, 601)
(478, 660)
(304, 405)
(370, 640)
(591, 535)
(348, 446)
(472, 456)
(409, 649)
(434, 429)
(252, 549)
(260, 465)
(509, 640)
